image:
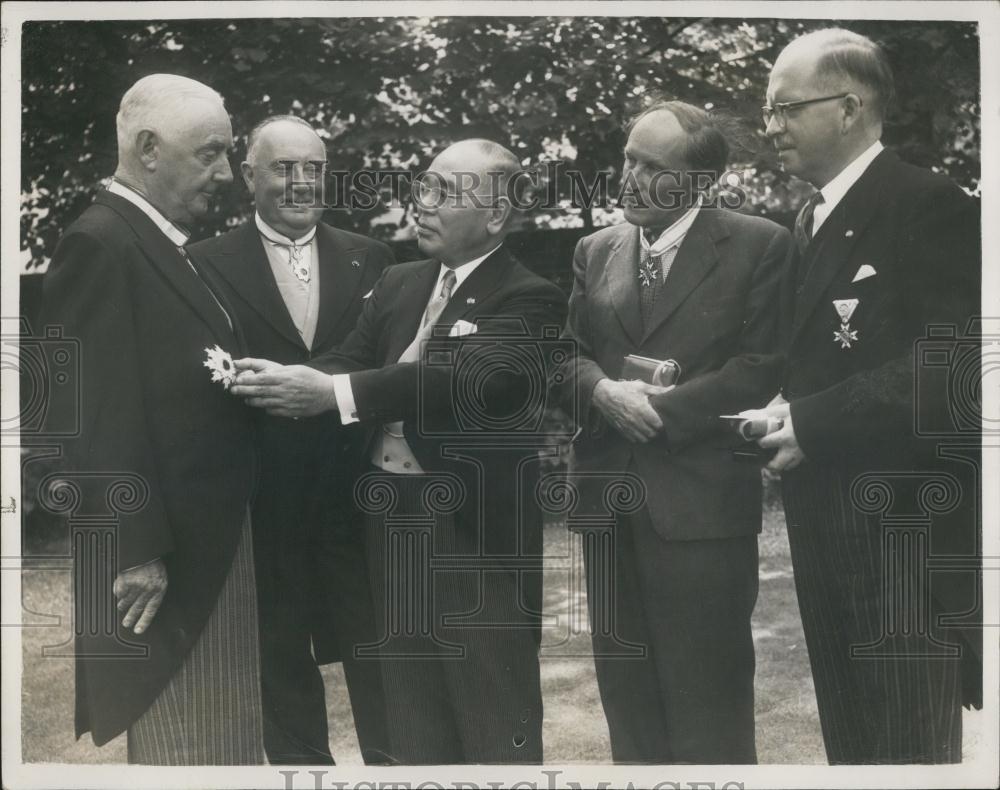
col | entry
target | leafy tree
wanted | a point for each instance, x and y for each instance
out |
(389, 92)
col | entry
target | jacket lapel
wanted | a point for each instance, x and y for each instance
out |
(340, 268)
(414, 293)
(838, 235)
(476, 288)
(694, 260)
(244, 265)
(622, 271)
(173, 266)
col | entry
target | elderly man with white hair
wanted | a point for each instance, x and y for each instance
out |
(121, 283)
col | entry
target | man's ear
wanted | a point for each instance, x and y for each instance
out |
(147, 145)
(851, 111)
(247, 170)
(501, 214)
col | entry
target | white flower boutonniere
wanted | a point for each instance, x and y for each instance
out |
(220, 363)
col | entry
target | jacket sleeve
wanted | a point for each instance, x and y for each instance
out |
(582, 372)
(750, 377)
(87, 295)
(939, 251)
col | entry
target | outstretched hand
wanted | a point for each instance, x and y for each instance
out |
(284, 390)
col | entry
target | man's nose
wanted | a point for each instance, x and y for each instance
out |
(773, 127)
(224, 173)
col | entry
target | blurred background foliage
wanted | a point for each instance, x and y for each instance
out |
(390, 92)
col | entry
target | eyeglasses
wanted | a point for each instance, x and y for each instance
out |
(430, 195)
(780, 109)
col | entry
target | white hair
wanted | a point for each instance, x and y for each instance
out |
(159, 103)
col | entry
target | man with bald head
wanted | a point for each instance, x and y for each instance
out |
(459, 650)
(297, 285)
(884, 251)
(121, 283)
(684, 280)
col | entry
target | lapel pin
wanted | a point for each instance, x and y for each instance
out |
(470, 300)
(355, 263)
(849, 233)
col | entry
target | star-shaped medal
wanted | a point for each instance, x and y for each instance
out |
(845, 335)
(647, 272)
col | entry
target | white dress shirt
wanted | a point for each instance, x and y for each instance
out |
(300, 297)
(668, 243)
(834, 192)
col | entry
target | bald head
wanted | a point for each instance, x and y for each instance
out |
(470, 209)
(284, 173)
(829, 90)
(174, 138)
(840, 60)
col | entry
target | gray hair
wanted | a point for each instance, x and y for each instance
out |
(847, 55)
(156, 103)
(254, 137)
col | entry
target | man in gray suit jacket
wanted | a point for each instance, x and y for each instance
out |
(697, 284)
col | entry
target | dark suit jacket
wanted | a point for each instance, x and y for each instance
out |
(865, 408)
(149, 407)
(307, 465)
(716, 316)
(510, 307)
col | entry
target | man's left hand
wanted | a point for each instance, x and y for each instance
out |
(789, 453)
(284, 391)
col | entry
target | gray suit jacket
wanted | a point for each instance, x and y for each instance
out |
(717, 316)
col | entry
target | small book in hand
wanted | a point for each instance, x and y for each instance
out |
(661, 372)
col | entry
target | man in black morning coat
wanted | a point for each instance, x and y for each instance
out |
(120, 282)
(884, 252)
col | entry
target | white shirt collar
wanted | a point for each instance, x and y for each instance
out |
(274, 237)
(834, 192)
(674, 234)
(169, 229)
(463, 271)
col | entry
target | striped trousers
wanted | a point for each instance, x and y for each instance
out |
(210, 711)
(884, 706)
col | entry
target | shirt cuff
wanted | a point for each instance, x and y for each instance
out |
(344, 394)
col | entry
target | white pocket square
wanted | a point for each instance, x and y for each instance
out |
(463, 328)
(368, 294)
(864, 272)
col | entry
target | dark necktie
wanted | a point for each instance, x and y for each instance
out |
(804, 223)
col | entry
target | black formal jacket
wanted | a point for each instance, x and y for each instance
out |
(457, 397)
(307, 466)
(716, 316)
(882, 405)
(148, 407)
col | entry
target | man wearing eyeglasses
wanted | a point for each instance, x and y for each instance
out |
(432, 369)
(883, 250)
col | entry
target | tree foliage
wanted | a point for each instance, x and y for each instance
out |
(389, 92)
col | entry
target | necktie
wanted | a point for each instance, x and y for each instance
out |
(437, 304)
(804, 222)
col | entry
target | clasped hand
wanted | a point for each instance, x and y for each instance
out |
(789, 453)
(283, 390)
(626, 405)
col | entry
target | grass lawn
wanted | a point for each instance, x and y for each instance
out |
(575, 731)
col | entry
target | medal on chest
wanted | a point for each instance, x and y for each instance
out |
(845, 309)
(299, 269)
